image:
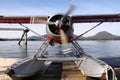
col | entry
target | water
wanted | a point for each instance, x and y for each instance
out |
(97, 49)
(11, 49)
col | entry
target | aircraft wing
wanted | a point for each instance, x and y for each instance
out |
(96, 18)
(24, 19)
(75, 19)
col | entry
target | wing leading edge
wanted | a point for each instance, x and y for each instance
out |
(24, 20)
(75, 19)
(96, 18)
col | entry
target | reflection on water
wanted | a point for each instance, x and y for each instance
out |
(12, 49)
(110, 48)
(96, 49)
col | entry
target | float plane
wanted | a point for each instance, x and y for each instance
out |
(59, 29)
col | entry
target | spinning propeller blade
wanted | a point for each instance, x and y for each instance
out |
(63, 37)
(70, 9)
(64, 40)
(65, 46)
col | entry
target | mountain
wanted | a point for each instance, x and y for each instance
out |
(74, 36)
(35, 37)
(1, 39)
(45, 36)
(103, 35)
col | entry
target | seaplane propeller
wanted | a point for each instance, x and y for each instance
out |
(59, 28)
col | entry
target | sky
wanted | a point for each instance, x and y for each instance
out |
(51, 7)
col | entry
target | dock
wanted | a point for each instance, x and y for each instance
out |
(56, 71)
(65, 71)
(59, 71)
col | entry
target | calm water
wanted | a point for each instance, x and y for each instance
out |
(96, 49)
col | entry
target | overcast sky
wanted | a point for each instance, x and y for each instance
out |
(50, 7)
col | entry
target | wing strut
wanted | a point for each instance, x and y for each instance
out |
(88, 30)
(30, 30)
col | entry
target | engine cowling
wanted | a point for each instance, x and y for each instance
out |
(53, 30)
